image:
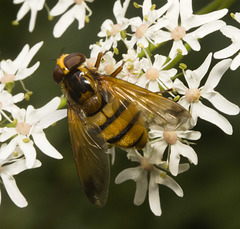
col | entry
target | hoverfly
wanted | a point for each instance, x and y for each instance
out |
(102, 110)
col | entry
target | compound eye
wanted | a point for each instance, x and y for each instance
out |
(58, 74)
(74, 60)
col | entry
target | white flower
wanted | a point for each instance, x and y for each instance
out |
(148, 164)
(132, 67)
(112, 31)
(34, 6)
(145, 29)
(175, 141)
(183, 25)
(155, 75)
(8, 168)
(193, 94)
(234, 34)
(18, 69)
(31, 122)
(78, 11)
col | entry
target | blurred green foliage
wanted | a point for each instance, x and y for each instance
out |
(212, 188)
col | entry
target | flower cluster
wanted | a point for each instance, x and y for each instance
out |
(168, 152)
(173, 22)
(78, 12)
(21, 129)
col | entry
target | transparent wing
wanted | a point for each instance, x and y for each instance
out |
(89, 149)
(155, 108)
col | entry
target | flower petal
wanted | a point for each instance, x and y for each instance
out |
(128, 174)
(153, 196)
(235, 63)
(13, 191)
(214, 117)
(60, 7)
(29, 152)
(43, 144)
(221, 103)
(170, 183)
(63, 23)
(215, 75)
(141, 188)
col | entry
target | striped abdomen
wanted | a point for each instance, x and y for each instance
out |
(120, 122)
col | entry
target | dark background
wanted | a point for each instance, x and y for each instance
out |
(211, 189)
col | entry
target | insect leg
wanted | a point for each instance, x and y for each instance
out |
(99, 57)
(119, 69)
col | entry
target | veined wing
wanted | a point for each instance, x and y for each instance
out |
(155, 108)
(89, 149)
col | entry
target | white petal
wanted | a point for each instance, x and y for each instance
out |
(172, 184)
(231, 32)
(154, 198)
(60, 7)
(23, 11)
(172, 15)
(195, 78)
(80, 13)
(189, 134)
(17, 98)
(43, 144)
(174, 161)
(25, 72)
(177, 45)
(32, 52)
(141, 188)
(214, 117)
(52, 118)
(8, 149)
(192, 40)
(179, 87)
(221, 103)
(34, 116)
(198, 20)
(128, 174)
(235, 63)
(228, 51)
(208, 28)
(184, 103)
(63, 23)
(6, 133)
(29, 152)
(21, 56)
(19, 166)
(13, 191)
(215, 75)
(32, 20)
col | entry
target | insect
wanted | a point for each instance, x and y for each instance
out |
(102, 110)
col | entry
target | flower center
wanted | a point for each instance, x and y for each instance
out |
(115, 29)
(141, 30)
(0, 105)
(192, 95)
(144, 163)
(79, 2)
(152, 73)
(91, 62)
(7, 78)
(109, 68)
(23, 128)
(178, 33)
(170, 136)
